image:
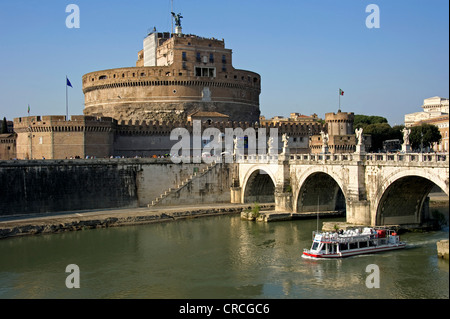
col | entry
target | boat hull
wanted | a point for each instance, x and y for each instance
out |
(355, 252)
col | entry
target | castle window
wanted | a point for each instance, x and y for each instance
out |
(211, 58)
(142, 74)
(224, 59)
(183, 56)
(198, 57)
(205, 72)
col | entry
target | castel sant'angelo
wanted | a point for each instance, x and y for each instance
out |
(178, 78)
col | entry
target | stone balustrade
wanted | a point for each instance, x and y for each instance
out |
(440, 159)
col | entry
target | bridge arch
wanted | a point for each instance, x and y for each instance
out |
(319, 189)
(400, 198)
(258, 185)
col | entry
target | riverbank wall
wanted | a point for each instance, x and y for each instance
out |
(44, 186)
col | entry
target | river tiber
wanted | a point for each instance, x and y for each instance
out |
(181, 136)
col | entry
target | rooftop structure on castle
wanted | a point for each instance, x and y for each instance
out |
(294, 118)
(175, 76)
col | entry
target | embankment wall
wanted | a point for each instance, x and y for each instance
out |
(42, 186)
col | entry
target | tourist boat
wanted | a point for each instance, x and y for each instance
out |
(352, 242)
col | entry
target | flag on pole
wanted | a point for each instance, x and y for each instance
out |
(341, 92)
(28, 109)
(68, 83)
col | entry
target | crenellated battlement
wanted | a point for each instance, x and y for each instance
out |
(58, 123)
(156, 127)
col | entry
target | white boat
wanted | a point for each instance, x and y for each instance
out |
(352, 242)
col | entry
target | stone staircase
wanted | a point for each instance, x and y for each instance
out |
(183, 184)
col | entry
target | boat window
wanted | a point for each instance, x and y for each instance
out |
(314, 246)
(362, 244)
(353, 245)
(342, 247)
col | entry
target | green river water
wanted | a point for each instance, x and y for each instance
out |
(214, 257)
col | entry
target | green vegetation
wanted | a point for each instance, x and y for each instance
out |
(368, 119)
(379, 129)
(254, 211)
(424, 136)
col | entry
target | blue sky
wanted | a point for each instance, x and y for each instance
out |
(304, 50)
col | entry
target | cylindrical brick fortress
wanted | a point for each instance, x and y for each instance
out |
(195, 75)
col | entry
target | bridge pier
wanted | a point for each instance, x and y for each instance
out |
(283, 191)
(358, 212)
(283, 200)
(236, 194)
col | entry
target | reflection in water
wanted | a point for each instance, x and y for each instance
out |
(217, 257)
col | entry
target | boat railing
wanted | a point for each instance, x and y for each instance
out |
(343, 239)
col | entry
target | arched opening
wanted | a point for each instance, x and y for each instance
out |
(320, 192)
(260, 188)
(407, 201)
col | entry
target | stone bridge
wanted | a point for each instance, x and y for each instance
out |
(374, 189)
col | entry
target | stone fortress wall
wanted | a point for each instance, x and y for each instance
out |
(52, 137)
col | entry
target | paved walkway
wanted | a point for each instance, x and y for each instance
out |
(65, 221)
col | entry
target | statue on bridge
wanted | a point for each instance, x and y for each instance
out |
(325, 138)
(285, 139)
(360, 147)
(406, 133)
(359, 136)
(406, 147)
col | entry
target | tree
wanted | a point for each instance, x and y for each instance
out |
(379, 132)
(424, 136)
(4, 126)
(379, 129)
(364, 120)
